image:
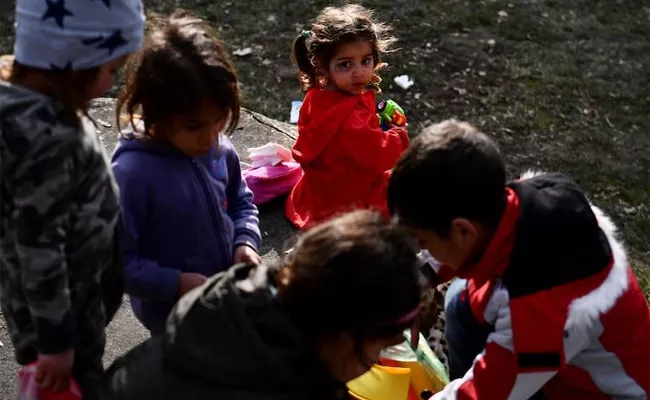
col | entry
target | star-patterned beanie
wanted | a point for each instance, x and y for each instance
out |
(76, 34)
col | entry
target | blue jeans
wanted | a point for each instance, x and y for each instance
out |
(466, 337)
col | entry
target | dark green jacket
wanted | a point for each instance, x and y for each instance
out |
(227, 340)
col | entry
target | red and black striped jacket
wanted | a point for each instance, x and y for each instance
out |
(569, 316)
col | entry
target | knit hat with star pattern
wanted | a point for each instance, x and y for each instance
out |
(76, 34)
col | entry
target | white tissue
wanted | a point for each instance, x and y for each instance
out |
(269, 154)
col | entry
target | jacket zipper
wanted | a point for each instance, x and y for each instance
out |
(209, 201)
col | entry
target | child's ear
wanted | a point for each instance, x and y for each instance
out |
(463, 232)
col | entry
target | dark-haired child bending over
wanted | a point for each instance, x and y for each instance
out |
(548, 304)
(299, 333)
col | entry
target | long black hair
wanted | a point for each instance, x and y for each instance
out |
(356, 273)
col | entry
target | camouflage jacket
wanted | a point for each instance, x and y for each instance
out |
(61, 276)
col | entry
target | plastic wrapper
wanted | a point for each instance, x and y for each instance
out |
(273, 172)
(418, 367)
(269, 154)
(28, 388)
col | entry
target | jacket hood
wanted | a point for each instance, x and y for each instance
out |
(232, 332)
(321, 116)
(544, 208)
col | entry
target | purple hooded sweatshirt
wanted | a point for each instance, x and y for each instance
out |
(181, 214)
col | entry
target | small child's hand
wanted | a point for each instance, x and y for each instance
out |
(392, 126)
(53, 371)
(246, 254)
(404, 134)
(188, 281)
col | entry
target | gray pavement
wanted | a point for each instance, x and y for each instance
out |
(125, 331)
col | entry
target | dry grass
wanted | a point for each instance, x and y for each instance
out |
(561, 84)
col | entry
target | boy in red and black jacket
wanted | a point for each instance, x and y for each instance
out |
(547, 305)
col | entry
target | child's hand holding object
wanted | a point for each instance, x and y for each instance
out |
(246, 254)
(53, 371)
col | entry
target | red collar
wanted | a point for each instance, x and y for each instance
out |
(495, 259)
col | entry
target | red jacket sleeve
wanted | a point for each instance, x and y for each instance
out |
(371, 147)
(496, 373)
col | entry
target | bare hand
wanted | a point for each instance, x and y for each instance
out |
(188, 281)
(246, 254)
(403, 134)
(53, 371)
(390, 125)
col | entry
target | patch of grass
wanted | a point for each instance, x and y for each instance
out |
(642, 273)
(561, 85)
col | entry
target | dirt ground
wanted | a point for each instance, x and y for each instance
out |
(562, 85)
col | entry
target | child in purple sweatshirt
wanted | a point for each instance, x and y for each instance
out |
(188, 213)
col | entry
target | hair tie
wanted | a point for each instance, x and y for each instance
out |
(305, 34)
(406, 318)
(409, 316)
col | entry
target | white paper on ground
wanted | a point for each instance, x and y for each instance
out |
(295, 111)
(403, 81)
(243, 52)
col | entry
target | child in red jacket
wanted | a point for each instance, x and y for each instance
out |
(345, 155)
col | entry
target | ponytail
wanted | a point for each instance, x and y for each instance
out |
(302, 57)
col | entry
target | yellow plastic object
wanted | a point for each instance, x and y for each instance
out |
(381, 383)
(422, 378)
(427, 372)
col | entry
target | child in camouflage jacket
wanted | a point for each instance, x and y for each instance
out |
(61, 277)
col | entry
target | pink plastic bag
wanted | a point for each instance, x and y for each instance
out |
(270, 181)
(28, 389)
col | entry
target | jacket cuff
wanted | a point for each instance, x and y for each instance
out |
(168, 284)
(249, 239)
(53, 339)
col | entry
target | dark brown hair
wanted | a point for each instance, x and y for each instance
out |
(181, 65)
(313, 50)
(70, 88)
(355, 273)
(450, 170)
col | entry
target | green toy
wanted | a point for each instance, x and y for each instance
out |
(389, 112)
